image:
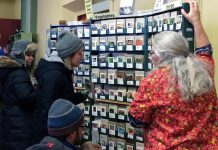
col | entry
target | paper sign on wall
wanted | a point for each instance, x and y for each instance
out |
(89, 11)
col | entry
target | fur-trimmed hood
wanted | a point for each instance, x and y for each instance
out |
(6, 62)
(7, 65)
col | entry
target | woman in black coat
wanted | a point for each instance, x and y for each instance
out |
(54, 80)
(17, 96)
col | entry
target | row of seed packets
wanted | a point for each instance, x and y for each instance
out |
(167, 21)
(116, 26)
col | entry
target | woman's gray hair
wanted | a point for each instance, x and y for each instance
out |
(192, 74)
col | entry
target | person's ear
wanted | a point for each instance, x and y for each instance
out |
(72, 136)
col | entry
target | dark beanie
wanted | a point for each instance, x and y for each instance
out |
(64, 117)
(68, 43)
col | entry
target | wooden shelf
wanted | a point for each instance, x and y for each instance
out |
(79, 88)
(112, 102)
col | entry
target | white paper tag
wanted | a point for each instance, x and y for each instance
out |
(129, 48)
(102, 48)
(102, 97)
(165, 27)
(129, 99)
(103, 114)
(137, 83)
(79, 84)
(94, 80)
(129, 30)
(103, 31)
(139, 138)
(120, 81)
(139, 66)
(112, 115)
(178, 26)
(111, 49)
(120, 98)
(130, 83)
(172, 27)
(150, 66)
(111, 81)
(120, 64)
(95, 32)
(86, 34)
(103, 147)
(103, 130)
(103, 80)
(155, 29)
(112, 97)
(119, 48)
(112, 31)
(94, 48)
(121, 117)
(86, 112)
(111, 148)
(86, 73)
(111, 132)
(80, 73)
(139, 30)
(139, 48)
(80, 35)
(149, 48)
(94, 113)
(86, 137)
(103, 64)
(129, 65)
(120, 135)
(149, 28)
(53, 36)
(130, 136)
(119, 30)
(111, 65)
(95, 64)
(87, 47)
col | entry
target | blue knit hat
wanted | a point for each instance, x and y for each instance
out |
(64, 117)
(68, 43)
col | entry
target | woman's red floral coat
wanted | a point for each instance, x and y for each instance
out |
(168, 121)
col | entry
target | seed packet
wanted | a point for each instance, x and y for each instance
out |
(121, 129)
(120, 25)
(130, 131)
(130, 25)
(140, 24)
(112, 26)
(130, 41)
(112, 43)
(112, 111)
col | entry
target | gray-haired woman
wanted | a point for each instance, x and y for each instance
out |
(176, 103)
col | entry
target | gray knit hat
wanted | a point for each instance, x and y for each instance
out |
(18, 50)
(64, 117)
(68, 43)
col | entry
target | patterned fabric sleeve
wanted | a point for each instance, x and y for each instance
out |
(205, 50)
(135, 123)
(205, 53)
(140, 109)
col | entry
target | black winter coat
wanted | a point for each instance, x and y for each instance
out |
(54, 81)
(18, 99)
(50, 143)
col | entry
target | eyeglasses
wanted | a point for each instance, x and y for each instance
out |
(83, 126)
(151, 53)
